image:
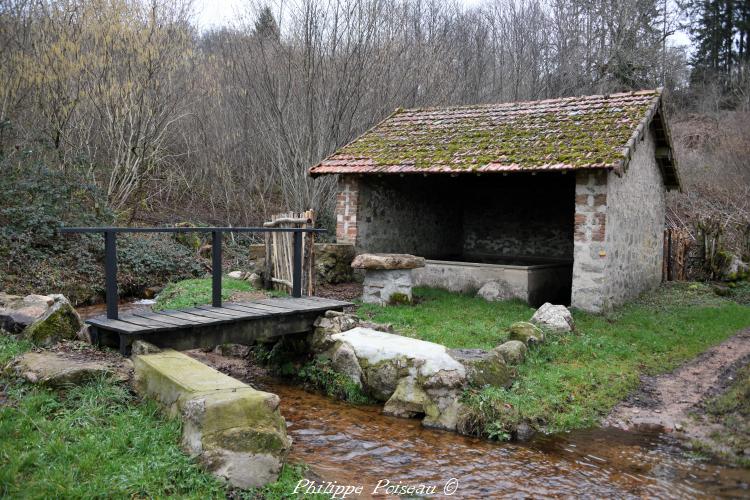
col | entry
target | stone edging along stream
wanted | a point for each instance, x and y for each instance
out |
(415, 378)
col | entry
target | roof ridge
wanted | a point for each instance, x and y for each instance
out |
(632, 93)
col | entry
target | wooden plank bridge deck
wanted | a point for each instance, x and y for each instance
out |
(208, 326)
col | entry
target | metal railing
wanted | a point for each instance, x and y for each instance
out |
(110, 254)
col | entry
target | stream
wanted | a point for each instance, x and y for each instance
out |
(358, 446)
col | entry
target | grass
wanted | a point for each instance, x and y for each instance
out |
(320, 375)
(572, 380)
(195, 292)
(731, 410)
(454, 320)
(99, 440)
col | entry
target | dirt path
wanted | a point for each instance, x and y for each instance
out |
(664, 402)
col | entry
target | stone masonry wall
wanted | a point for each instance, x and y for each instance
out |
(619, 224)
(635, 225)
(457, 218)
(410, 214)
(589, 248)
(519, 216)
(347, 202)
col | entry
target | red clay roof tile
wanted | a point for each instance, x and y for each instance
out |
(588, 132)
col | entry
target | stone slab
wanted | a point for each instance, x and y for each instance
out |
(234, 430)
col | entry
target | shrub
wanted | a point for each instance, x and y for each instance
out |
(35, 201)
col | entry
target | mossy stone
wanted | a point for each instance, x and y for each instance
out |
(61, 322)
(526, 332)
(512, 351)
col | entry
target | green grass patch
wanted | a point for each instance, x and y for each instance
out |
(10, 348)
(454, 320)
(100, 441)
(731, 410)
(195, 292)
(572, 380)
(319, 374)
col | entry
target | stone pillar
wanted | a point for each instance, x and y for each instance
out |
(347, 205)
(387, 286)
(388, 277)
(589, 246)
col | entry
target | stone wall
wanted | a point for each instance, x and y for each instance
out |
(519, 215)
(589, 249)
(459, 218)
(619, 223)
(635, 225)
(347, 201)
(416, 215)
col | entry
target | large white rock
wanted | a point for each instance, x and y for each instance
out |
(413, 377)
(376, 347)
(553, 318)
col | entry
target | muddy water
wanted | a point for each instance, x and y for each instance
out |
(359, 446)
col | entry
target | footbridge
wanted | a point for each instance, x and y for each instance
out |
(205, 326)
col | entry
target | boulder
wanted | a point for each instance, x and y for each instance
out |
(409, 400)
(330, 323)
(425, 359)
(496, 290)
(512, 351)
(43, 319)
(344, 360)
(256, 281)
(414, 377)
(735, 269)
(333, 263)
(553, 318)
(484, 367)
(57, 370)
(16, 312)
(238, 275)
(232, 350)
(142, 347)
(235, 431)
(527, 333)
(387, 261)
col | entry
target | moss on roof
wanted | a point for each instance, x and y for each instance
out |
(570, 133)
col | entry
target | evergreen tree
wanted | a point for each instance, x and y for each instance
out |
(713, 28)
(266, 26)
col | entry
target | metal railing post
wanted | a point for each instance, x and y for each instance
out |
(297, 265)
(110, 273)
(216, 268)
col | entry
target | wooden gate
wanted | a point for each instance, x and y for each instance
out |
(676, 245)
(280, 252)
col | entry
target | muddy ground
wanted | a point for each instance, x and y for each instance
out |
(676, 401)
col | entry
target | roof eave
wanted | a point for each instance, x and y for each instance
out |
(664, 149)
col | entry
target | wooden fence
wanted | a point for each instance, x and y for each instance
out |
(280, 252)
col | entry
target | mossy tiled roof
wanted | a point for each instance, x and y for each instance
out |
(556, 134)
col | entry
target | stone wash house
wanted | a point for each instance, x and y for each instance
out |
(559, 200)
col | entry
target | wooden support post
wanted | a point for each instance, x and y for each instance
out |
(297, 266)
(216, 268)
(110, 273)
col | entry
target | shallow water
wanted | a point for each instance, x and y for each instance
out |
(359, 446)
(87, 312)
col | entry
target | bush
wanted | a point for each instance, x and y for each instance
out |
(35, 201)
